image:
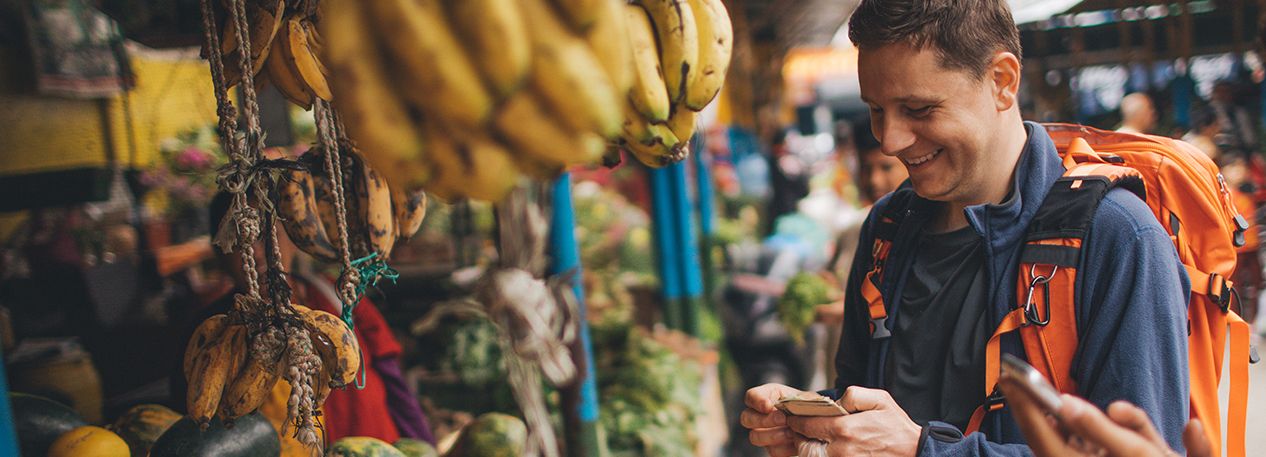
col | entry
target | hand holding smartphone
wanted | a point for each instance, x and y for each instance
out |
(1032, 381)
(815, 406)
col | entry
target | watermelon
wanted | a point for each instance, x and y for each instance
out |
(141, 426)
(491, 435)
(413, 447)
(38, 421)
(361, 446)
(252, 436)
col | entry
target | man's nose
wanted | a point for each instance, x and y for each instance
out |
(894, 136)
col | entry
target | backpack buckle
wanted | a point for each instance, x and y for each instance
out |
(995, 400)
(1219, 292)
(878, 330)
(1031, 315)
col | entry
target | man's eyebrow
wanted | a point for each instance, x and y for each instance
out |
(909, 99)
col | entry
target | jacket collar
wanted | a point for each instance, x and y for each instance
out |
(1038, 168)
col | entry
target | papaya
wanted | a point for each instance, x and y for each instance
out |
(252, 436)
(413, 447)
(141, 426)
(491, 435)
(361, 446)
(39, 421)
(89, 440)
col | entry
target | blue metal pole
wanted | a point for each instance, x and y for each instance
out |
(8, 435)
(688, 247)
(566, 257)
(665, 221)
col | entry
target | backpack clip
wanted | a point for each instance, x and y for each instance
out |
(878, 329)
(995, 400)
(1031, 315)
(1219, 292)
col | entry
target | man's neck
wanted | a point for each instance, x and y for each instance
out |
(952, 215)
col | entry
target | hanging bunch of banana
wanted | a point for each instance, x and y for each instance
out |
(464, 97)
(681, 52)
(376, 215)
(284, 49)
(232, 363)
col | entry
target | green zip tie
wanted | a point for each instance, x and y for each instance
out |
(370, 266)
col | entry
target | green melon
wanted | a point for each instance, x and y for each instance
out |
(251, 436)
(361, 446)
(141, 426)
(413, 447)
(38, 421)
(491, 435)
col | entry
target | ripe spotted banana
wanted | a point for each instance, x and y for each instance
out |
(255, 381)
(495, 31)
(580, 14)
(683, 122)
(263, 25)
(656, 154)
(436, 74)
(568, 75)
(211, 370)
(207, 333)
(636, 127)
(678, 42)
(300, 215)
(374, 213)
(649, 94)
(716, 40)
(609, 39)
(302, 60)
(534, 133)
(375, 117)
(286, 80)
(470, 165)
(409, 209)
(335, 344)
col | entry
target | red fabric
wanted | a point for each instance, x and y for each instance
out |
(360, 412)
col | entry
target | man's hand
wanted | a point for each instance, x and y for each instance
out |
(1084, 430)
(768, 424)
(876, 426)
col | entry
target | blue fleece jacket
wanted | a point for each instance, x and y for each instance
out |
(1131, 306)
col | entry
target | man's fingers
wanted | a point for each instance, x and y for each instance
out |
(782, 450)
(763, 398)
(862, 399)
(753, 419)
(765, 437)
(1039, 430)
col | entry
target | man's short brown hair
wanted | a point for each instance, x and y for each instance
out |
(964, 33)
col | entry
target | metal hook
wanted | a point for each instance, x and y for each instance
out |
(1030, 310)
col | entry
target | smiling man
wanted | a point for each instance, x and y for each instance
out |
(941, 78)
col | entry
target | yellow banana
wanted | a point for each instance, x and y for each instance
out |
(374, 115)
(375, 215)
(289, 83)
(609, 39)
(335, 344)
(208, 332)
(678, 42)
(533, 132)
(409, 209)
(302, 61)
(636, 128)
(568, 75)
(299, 213)
(436, 74)
(252, 385)
(494, 31)
(263, 26)
(580, 14)
(648, 94)
(210, 371)
(470, 166)
(683, 122)
(656, 154)
(716, 40)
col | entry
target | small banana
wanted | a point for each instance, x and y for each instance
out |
(656, 155)
(435, 74)
(208, 332)
(302, 61)
(286, 80)
(211, 370)
(580, 14)
(568, 75)
(716, 41)
(374, 115)
(683, 122)
(494, 30)
(649, 94)
(409, 209)
(263, 27)
(678, 42)
(300, 216)
(636, 128)
(255, 381)
(471, 165)
(533, 132)
(335, 344)
(609, 39)
(375, 214)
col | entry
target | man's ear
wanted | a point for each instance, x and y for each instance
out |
(1004, 77)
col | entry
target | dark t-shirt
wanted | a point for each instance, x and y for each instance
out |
(935, 367)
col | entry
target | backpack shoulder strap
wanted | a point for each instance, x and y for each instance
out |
(883, 233)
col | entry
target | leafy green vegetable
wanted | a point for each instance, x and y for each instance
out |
(804, 292)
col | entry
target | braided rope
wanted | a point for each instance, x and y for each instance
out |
(349, 277)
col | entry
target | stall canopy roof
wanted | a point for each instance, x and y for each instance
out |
(1026, 11)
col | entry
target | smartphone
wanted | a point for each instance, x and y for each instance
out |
(1032, 380)
(815, 406)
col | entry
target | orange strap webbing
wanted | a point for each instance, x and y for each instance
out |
(870, 290)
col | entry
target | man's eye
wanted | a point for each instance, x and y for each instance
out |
(919, 111)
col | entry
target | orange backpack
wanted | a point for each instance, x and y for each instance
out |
(1187, 195)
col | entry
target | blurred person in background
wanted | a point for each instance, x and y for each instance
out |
(788, 180)
(1138, 113)
(1204, 133)
(1236, 123)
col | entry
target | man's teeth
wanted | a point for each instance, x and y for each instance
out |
(919, 160)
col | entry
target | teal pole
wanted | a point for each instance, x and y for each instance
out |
(665, 221)
(8, 435)
(582, 415)
(688, 250)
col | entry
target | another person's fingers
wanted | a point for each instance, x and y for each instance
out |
(1194, 439)
(754, 419)
(1038, 427)
(1088, 422)
(1134, 418)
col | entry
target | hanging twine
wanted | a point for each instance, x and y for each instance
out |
(350, 278)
